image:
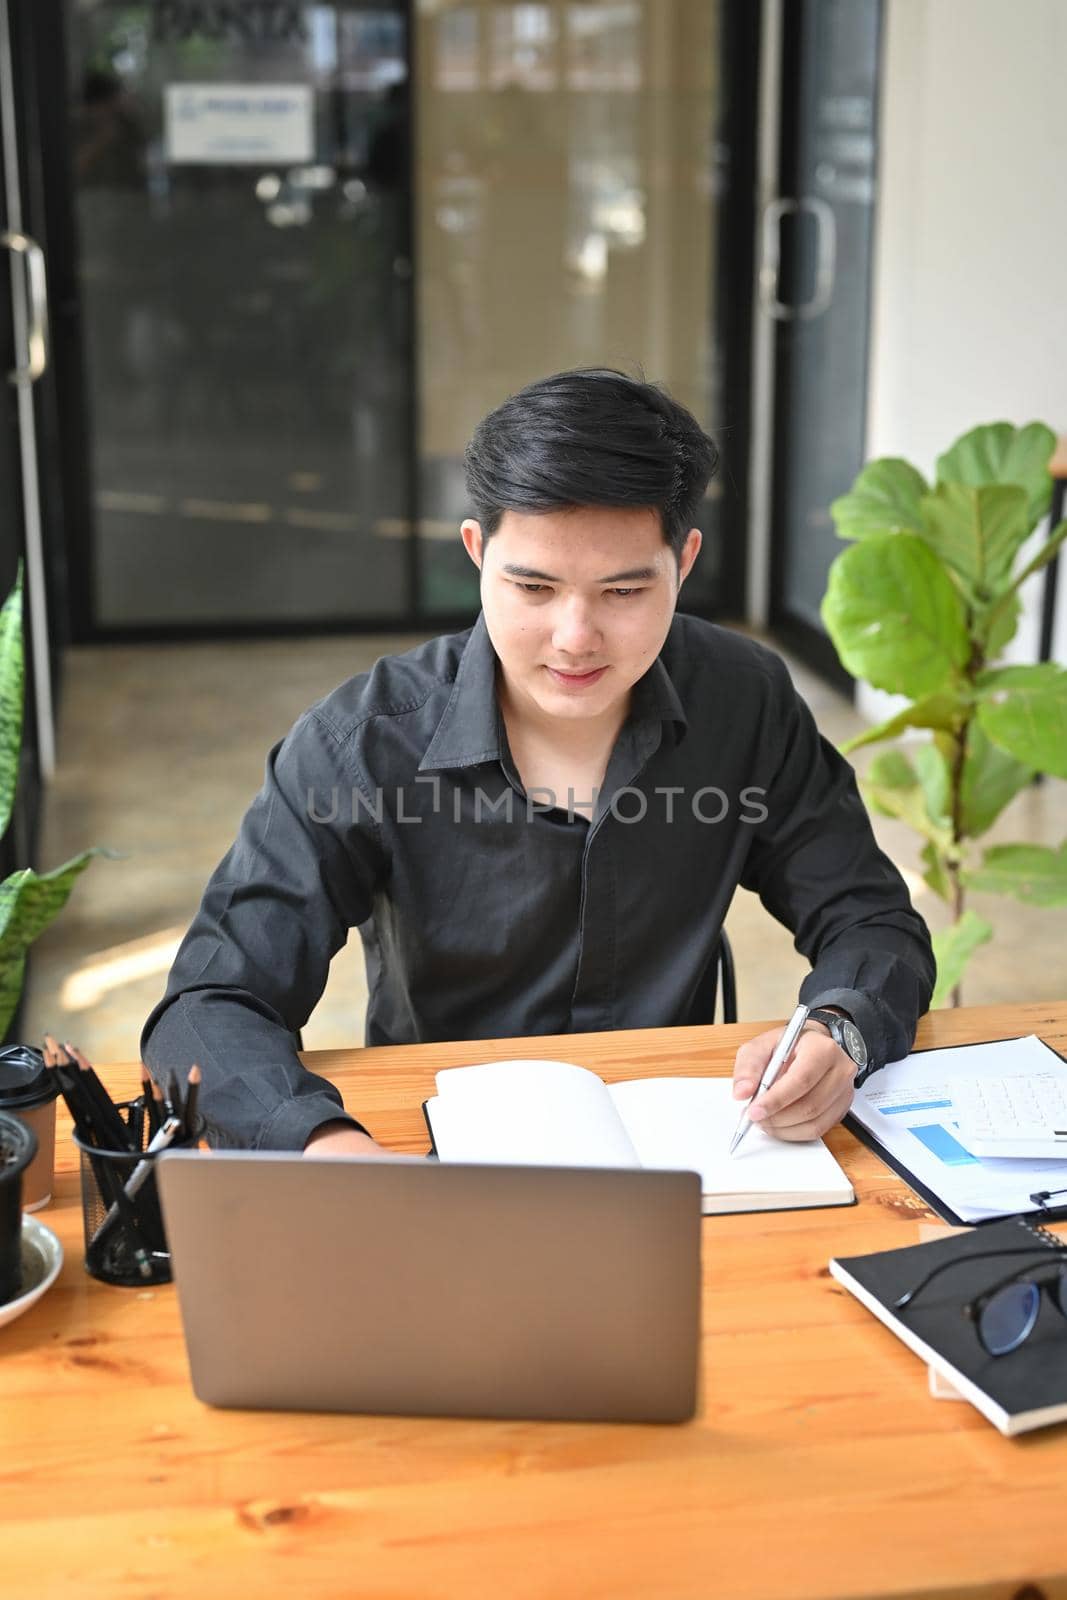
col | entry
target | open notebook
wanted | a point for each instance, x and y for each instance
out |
(552, 1113)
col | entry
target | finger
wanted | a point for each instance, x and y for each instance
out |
(816, 1126)
(812, 1060)
(815, 1101)
(751, 1060)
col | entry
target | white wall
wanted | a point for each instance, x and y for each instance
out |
(970, 279)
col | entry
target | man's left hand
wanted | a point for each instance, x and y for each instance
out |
(811, 1092)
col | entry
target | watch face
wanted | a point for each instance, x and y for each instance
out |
(852, 1039)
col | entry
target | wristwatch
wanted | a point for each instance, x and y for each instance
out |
(844, 1032)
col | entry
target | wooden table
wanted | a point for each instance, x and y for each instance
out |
(818, 1466)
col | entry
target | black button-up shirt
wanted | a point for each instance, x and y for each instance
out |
(394, 806)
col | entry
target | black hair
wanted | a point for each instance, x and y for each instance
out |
(590, 437)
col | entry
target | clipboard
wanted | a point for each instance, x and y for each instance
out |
(937, 1205)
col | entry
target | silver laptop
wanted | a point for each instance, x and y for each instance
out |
(436, 1289)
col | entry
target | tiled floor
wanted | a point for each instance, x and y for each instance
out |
(163, 747)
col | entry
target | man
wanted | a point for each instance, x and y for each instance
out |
(538, 824)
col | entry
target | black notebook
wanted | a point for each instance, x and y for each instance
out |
(1023, 1390)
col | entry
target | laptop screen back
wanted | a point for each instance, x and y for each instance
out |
(436, 1289)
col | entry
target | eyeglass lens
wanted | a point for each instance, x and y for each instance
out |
(1008, 1318)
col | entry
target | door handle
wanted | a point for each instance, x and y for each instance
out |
(771, 255)
(32, 256)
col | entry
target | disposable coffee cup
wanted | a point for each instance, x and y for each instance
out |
(28, 1091)
(18, 1147)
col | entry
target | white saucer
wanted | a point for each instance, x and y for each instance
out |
(42, 1257)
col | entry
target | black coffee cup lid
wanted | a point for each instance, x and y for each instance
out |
(25, 1081)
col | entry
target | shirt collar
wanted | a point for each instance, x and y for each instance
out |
(469, 730)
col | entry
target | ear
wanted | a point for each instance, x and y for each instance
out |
(690, 550)
(471, 534)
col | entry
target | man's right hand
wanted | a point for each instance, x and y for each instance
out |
(341, 1139)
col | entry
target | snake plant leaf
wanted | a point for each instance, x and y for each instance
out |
(895, 617)
(11, 677)
(996, 453)
(990, 779)
(977, 532)
(1033, 873)
(942, 711)
(953, 948)
(28, 903)
(885, 498)
(1024, 711)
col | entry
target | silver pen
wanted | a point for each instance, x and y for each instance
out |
(782, 1051)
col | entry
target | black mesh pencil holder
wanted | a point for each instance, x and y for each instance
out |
(125, 1242)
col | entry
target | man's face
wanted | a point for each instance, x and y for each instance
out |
(577, 604)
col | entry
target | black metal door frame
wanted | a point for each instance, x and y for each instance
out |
(809, 644)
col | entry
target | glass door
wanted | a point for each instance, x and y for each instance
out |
(584, 181)
(815, 283)
(243, 282)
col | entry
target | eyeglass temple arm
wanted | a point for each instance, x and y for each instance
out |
(982, 1255)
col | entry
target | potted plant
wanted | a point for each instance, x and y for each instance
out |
(923, 603)
(29, 901)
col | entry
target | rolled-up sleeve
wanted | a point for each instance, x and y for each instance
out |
(254, 963)
(817, 867)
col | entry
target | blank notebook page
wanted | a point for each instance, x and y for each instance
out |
(541, 1113)
(689, 1122)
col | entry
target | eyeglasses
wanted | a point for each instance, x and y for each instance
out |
(1004, 1315)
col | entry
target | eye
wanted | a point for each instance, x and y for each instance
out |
(533, 588)
(624, 594)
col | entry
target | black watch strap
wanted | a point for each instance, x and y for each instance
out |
(835, 1021)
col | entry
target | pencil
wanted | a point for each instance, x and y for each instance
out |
(192, 1094)
(155, 1110)
(110, 1121)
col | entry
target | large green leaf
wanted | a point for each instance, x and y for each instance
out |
(994, 626)
(935, 780)
(11, 673)
(977, 532)
(894, 616)
(884, 499)
(991, 778)
(1024, 710)
(936, 876)
(942, 711)
(1033, 873)
(1001, 453)
(953, 948)
(894, 787)
(28, 903)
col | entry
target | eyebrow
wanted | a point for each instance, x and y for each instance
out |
(633, 574)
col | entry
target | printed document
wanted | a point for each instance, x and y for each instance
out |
(910, 1107)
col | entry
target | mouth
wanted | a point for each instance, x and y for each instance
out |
(576, 680)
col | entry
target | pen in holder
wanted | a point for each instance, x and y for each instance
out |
(125, 1242)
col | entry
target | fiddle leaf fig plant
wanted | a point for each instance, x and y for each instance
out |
(28, 901)
(922, 604)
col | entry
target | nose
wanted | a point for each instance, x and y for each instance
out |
(575, 631)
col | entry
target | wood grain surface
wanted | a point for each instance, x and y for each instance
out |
(818, 1466)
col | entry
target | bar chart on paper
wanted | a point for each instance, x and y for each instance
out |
(913, 1109)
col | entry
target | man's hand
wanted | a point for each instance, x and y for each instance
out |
(811, 1092)
(341, 1139)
